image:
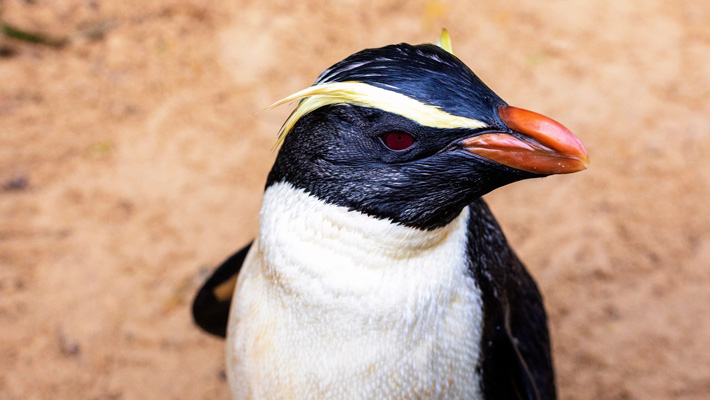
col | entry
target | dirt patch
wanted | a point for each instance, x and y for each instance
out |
(134, 160)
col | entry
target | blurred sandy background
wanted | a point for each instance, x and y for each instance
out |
(133, 157)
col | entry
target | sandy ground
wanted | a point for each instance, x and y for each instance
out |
(132, 163)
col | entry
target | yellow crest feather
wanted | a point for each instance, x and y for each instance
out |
(445, 41)
(362, 94)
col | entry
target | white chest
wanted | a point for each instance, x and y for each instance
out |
(332, 304)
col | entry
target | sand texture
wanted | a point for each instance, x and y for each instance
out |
(133, 155)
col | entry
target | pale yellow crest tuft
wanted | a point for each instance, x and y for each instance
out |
(445, 41)
(362, 94)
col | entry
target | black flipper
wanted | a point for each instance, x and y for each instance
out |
(210, 309)
(516, 360)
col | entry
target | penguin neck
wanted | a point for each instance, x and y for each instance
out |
(358, 306)
(322, 252)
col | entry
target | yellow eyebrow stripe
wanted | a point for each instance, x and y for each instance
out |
(363, 94)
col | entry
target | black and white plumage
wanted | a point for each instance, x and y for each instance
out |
(378, 271)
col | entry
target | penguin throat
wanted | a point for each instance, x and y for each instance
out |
(311, 219)
(338, 304)
(307, 244)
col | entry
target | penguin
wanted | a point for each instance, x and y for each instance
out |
(378, 271)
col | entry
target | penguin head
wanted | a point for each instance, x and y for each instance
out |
(411, 134)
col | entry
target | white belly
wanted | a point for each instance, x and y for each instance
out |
(332, 304)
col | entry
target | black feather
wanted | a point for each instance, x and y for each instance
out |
(423, 72)
(516, 359)
(209, 312)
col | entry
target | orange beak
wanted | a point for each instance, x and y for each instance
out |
(545, 146)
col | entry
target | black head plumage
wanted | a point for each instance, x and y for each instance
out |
(336, 152)
(426, 72)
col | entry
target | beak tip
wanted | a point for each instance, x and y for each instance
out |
(579, 164)
(584, 158)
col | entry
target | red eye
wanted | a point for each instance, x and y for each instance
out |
(397, 140)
